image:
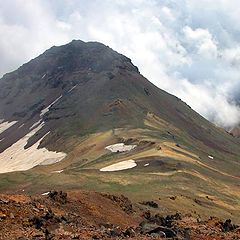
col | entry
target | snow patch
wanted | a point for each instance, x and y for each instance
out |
(119, 166)
(44, 76)
(59, 171)
(45, 110)
(45, 194)
(147, 164)
(211, 157)
(5, 125)
(120, 147)
(72, 88)
(16, 158)
(35, 124)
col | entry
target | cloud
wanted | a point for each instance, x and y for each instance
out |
(189, 48)
(202, 40)
(26, 29)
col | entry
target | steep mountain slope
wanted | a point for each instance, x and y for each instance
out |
(67, 105)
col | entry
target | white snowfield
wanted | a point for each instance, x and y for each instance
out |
(120, 147)
(36, 124)
(45, 110)
(211, 157)
(16, 158)
(119, 166)
(5, 125)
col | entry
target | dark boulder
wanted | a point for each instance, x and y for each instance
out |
(130, 232)
(60, 197)
(150, 204)
(227, 226)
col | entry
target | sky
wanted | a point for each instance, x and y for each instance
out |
(189, 48)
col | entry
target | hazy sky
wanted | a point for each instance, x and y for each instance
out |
(190, 48)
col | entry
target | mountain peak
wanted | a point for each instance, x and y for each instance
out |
(78, 56)
(75, 103)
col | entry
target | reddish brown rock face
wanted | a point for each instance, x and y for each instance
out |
(89, 215)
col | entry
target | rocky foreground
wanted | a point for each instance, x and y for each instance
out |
(90, 215)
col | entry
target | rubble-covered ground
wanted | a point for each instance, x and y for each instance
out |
(91, 215)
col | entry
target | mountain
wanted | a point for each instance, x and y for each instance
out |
(62, 113)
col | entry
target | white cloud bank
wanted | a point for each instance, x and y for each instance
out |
(190, 48)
